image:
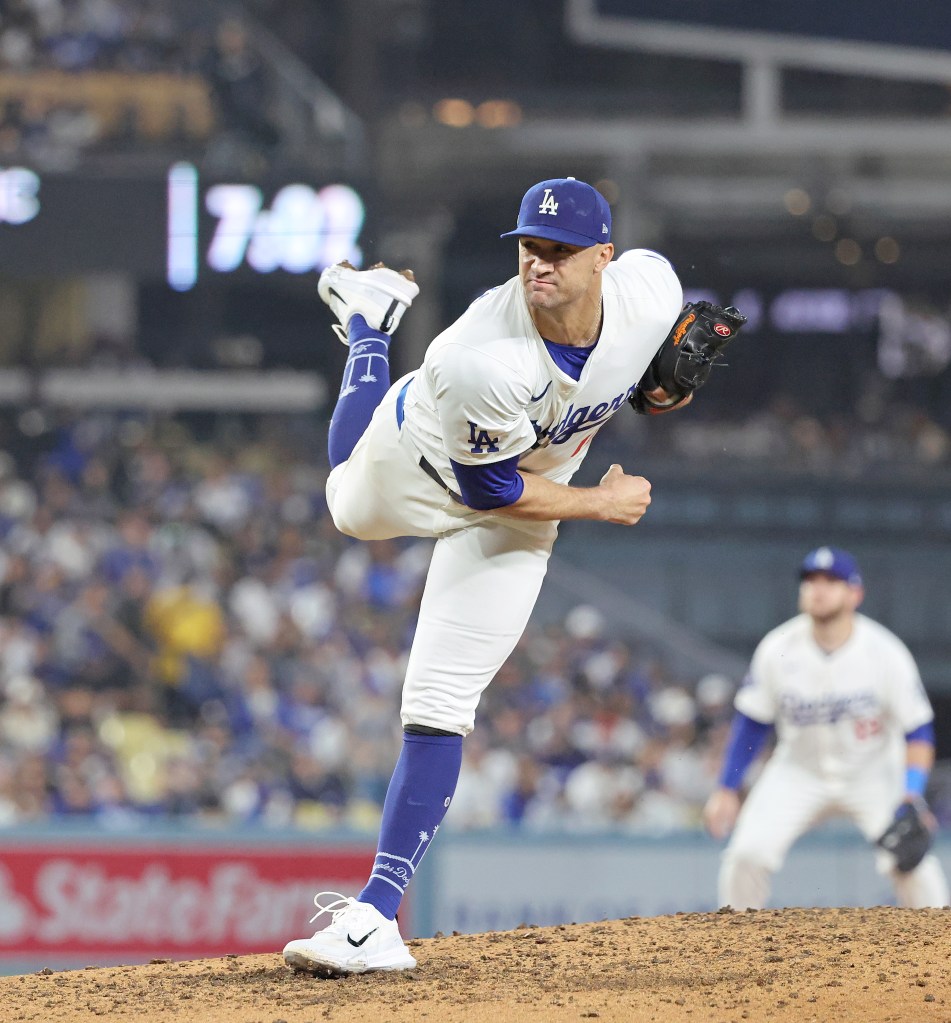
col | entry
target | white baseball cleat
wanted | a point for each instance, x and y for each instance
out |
(357, 939)
(380, 295)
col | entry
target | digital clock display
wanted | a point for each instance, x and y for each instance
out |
(19, 195)
(297, 229)
(175, 226)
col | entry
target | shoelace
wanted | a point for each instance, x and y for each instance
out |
(339, 905)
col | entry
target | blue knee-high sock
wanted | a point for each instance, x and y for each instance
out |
(416, 801)
(366, 378)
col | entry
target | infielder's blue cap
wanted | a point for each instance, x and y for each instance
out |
(564, 210)
(832, 561)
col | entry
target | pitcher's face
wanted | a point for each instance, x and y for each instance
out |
(555, 275)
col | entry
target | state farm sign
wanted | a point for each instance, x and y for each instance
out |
(134, 902)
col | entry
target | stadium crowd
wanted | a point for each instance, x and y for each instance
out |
(881, 435)
(843, 444)
(103, 76)
(183, 634)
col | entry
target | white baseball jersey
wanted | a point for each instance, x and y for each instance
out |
(840, 715)
(840, 719)
(488, 388)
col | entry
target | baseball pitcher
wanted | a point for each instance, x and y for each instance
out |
(477, 449)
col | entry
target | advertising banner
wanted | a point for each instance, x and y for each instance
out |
(106, 902)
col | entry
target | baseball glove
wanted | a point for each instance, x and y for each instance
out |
(908, 838)
(689, 352)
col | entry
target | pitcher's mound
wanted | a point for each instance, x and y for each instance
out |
(827, 965)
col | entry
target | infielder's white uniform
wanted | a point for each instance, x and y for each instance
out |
(840, 720)
(488, 390)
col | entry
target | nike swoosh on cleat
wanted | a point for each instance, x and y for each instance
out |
(357, 944)
(538, 397)
(387, 320)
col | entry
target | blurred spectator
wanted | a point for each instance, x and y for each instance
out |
(92, 75)
(241, 89)
(28, 723)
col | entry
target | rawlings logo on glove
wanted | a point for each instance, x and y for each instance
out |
(689, 352)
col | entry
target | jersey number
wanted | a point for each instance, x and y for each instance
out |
(865, 728)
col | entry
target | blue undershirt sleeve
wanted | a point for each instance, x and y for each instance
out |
(485, 487)
(746, 740)
(924, 733)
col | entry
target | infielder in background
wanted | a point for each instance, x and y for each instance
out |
(854, 738)
(477, 448)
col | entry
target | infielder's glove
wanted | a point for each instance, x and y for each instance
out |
(684, 361)
(908, 838)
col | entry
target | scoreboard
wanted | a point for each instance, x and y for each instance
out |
(180, 227)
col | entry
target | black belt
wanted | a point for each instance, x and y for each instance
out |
(430, 471)
(424, 464)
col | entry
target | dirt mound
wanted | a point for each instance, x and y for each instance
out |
(879, 964)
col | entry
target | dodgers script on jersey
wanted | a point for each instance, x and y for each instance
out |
(499, 393)
(841, 714)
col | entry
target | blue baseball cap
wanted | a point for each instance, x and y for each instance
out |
(564, 210)
(832, 561)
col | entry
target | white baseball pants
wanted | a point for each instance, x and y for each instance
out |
(483, 580)
(784, 803)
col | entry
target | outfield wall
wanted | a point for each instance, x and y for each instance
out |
(71, 898)
(476, 883)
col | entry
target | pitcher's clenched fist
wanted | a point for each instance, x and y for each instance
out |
(626, 497)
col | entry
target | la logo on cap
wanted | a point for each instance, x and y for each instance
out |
(824, 558)
(548, 204)
(564, 210)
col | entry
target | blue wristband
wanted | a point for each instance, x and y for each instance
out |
(916, 780)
